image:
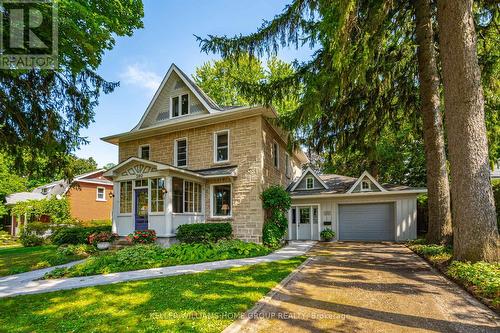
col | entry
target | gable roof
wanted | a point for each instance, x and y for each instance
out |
(343, 185)
(309, 170)
(207, 102)
(366, 174)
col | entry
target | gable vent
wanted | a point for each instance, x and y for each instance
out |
(162, 116)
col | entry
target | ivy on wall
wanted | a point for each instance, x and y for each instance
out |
(277, 201)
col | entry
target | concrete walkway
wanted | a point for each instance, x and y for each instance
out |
(367, 287)
(25, 285)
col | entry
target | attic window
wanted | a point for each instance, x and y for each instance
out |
(309, 183)
(365, 185)
(179, 105)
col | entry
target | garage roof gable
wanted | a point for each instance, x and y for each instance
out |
(364, 175)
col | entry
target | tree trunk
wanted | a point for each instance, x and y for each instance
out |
(438, 190)
(475, 233)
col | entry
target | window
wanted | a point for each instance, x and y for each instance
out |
(186, 196)
(309, 183)
(192, 197)
(179, 105)
(144, 152)
(365, 185)
(101, 194)
(305, 215)
(175, 107)
(221, 200)
(157, 196)
(276, 155)
(180, 151)
(126, 197)
(221, 144)
(287, 165)
(141, 183)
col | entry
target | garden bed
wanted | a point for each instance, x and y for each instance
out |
(153, 256)
(480, 279)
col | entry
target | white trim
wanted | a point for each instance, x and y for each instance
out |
(362, 194)
(212, 202)
(176, 162)
(304, 174)
(297, 219)
(373, 180)
(276, 155)
(139, 152)
(307, 183)
(228, 145)
(103, 193)
(179, 108)
(98, 182)
(369, 188)
(173, 68)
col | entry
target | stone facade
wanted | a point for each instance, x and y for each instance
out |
(250, 150)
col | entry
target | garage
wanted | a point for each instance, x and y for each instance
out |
(366, 222)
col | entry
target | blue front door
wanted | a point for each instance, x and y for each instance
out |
(141, 209)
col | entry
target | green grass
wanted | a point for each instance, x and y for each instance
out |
(15, 260)
(204, 302)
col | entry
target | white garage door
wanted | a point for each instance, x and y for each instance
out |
(366, 222)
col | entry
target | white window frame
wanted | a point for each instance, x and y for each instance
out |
(363, 189)
(139, 151)
(307, 183)
(276, 155)
(212, 210)
(171, 114)
(150, 196)
(103, 193)
(176, 162)
(132, 200)
(184, 198)
(228, 145)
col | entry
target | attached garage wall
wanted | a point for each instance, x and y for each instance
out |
(405, 208)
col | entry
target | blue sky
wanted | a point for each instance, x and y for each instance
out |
(140, 62)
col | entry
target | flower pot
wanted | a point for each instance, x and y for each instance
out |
(103, 245)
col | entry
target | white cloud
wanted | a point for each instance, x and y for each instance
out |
(138, 76)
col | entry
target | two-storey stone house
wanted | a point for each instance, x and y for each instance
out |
(189, 160)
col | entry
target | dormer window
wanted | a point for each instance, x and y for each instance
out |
(144, 152)
(365, 186)
(179, 105)
(309, 183)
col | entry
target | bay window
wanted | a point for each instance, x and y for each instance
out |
(126, 197)
(186, 196)
(157, 197)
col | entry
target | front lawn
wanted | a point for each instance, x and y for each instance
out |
(203, 302)
(153, 256)
(15, 260)
(482, 279)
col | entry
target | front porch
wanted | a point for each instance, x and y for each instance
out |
(161, 197)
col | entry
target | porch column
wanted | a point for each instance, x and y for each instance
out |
(168, 205)
(12, 229)
(290, 224)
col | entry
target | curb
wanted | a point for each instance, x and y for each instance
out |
(246, 317)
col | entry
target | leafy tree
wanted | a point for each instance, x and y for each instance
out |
(220, 80)
(42, 111)
(109, 166)
(9, 182)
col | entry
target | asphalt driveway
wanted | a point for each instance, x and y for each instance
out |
(370, 287)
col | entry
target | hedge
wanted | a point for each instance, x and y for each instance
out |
(204, 232)
(76, 235)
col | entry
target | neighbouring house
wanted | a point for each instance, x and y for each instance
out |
(88, 196)
(495, 172)
(189, 160)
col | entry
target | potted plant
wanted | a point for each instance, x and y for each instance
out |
(102, 240)
(327, 234)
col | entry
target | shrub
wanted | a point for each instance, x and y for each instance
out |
(433, 252)
(103, 236)
(327, 234)
(204, 232)
(483, 277)
(144, 256)
(142, 237)
(277, 201)
(76, 250)
(33, 234)
(29, 240)
(75, 235)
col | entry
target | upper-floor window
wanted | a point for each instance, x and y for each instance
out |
(309, 183)
(221, 146)
(180, 151)
(179, 105)
(365, 185)
(276, 155)
(144, 152)
(101, 194)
